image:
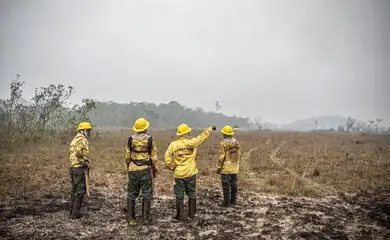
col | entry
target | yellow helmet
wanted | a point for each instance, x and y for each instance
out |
(141, 125)
(183, 129)
(84, 126)
(227, 130)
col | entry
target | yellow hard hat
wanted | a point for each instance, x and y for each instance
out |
(84, 126)
(141, 125)
(227, 130)
(183, 129)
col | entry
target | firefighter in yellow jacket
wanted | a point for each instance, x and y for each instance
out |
(141, 160)
(228, 165)
(180, 158)
(79, 163)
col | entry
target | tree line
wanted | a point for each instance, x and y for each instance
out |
(49, 114)
(164, 115)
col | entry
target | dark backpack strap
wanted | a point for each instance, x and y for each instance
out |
(150, 145)
(130, 143)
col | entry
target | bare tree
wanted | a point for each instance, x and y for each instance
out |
(49, 99)
(258, 123)
(370, 123)
(217, 106)
(315, 124)
(350, 122)
(378, 122)
(23, 120)
(12, 104)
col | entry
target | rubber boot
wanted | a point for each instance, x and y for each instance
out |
(131, 212)
(192, 207)
(76, 207)
(226, 197)
(179, 209)
(146, 210)
(71, 205)
(233, 195)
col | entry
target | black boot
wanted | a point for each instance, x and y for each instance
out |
(179, 209)
(76, 207)
(233, 195)
(131, 211)
(226, 197)
(192, 207)
(146, 210)
(71, 205)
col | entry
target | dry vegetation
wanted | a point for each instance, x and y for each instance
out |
(291, 185)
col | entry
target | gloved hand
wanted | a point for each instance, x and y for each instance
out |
(214, 128)
(218, 171)
(86, 164)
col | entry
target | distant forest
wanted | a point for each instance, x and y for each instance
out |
(111, 114)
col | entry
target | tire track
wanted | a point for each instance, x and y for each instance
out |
(295, 175)
(278, 161)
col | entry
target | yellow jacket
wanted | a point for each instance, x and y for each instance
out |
(183, 152)
(79, 151)
(140, 152)
(229, 156)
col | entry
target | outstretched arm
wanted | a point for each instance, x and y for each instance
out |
(202, 137)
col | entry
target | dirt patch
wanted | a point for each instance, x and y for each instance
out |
(256, 217)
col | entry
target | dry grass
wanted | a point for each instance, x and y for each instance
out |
(309, 164)
(291, 186)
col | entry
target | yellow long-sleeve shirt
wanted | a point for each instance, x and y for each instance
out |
(140, 152)
(79, 151)
(181, 155)
(229, 156)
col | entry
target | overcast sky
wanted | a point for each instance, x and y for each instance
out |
(281, 60)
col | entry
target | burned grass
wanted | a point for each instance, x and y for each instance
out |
(257, 216)
(291, 186)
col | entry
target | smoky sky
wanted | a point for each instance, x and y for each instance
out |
(281, 60)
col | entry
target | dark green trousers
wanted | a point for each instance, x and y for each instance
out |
(77, 176)
(140, 182)
(229, 185)
(187, 185)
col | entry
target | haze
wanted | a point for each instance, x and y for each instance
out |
(281, 60)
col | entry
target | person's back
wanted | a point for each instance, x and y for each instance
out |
(181, 158)
(183, 150)
(232, 154)
(141, 160)
(228, 165)
(140, 155)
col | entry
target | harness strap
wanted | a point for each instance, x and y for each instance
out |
(149, 151)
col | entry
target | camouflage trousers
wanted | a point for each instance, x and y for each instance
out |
(140, 182)
(187, 185)
(77, 176)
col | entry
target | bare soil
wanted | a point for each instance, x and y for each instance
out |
(365, 215)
